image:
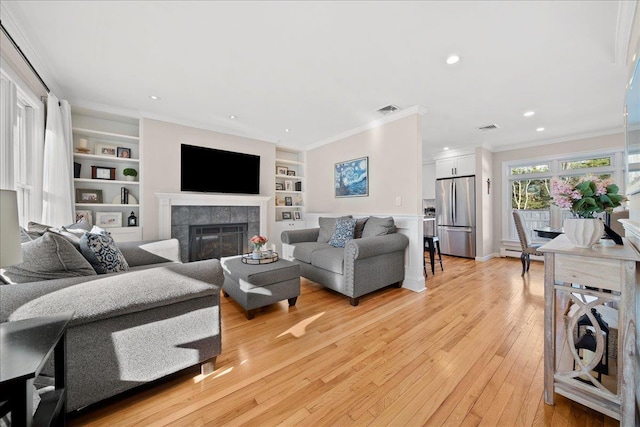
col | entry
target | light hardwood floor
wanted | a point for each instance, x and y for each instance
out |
(468, 351)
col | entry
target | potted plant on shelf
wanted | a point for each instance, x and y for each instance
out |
(585, 197)
(130, 174)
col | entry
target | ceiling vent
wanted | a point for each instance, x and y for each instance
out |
(489, 127)
(388, 109)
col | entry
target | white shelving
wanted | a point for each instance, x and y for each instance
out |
(291, 216)
(114, 131)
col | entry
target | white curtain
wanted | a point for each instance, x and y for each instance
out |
(57, 180)
(8, 122)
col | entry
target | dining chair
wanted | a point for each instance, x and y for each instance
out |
(528, 248)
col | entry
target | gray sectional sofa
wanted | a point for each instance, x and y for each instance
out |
(371, 259)
(131, 327)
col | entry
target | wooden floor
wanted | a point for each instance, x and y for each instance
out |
(468, 351)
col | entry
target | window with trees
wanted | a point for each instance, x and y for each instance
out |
(529, 188)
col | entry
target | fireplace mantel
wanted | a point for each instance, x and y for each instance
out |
(167, 200)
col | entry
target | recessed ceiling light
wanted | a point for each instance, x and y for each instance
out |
(154, 97)
(232, 116)
(529, 113)
(452, 59)
(286, 130)
(445, 148)
(539, 129)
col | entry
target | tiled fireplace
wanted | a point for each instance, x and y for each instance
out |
(180, 212)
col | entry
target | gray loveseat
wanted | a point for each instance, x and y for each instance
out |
(131, 327)
(371, 260)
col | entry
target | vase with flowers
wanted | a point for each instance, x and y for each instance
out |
(257, 242)
(585, 198)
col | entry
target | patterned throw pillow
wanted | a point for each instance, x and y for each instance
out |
(343, 232)
(102, 253)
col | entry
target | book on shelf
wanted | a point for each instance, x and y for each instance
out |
(124, 196)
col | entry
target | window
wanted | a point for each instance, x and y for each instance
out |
(26, 142)
(529, 188)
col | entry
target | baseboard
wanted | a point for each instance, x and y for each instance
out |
(515, 253)
(488, 257)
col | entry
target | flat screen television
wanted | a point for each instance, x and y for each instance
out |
(210, 170)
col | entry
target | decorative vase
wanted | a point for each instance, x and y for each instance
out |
(129, 178)
(583, 232)
(256, 254)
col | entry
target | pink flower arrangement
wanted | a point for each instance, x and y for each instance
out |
(258, 241)
(590, 195)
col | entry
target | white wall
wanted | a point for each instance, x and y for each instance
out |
(485, 204)
(160, 163)
(395, 170)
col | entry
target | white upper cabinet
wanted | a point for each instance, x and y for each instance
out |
(456, 166)
(429, 181)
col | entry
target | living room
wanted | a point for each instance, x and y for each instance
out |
(397, 147)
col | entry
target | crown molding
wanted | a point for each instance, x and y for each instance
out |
(574, 137)
(416, 109)
(624, 25)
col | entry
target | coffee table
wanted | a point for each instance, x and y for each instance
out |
(258, 285)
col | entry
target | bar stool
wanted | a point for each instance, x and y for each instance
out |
(431, 245)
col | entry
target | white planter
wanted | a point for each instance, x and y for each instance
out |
(129, 178)
(583, 232)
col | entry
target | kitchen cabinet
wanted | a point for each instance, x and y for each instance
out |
(456, 166)
(429, 181)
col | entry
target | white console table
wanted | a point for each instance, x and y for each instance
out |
(603, 276)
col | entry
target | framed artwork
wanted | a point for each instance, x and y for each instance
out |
(109, 219)
(291, 173)
(85, 195)
(86, 215)
(279, 186)
(351, 178)
(99, 172)
(297, 215)
(281, 170)
(288, 185)
(125, 153)
(286, 215)
(288, 201)
(106, 150)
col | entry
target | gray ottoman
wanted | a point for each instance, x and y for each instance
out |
(255, 286)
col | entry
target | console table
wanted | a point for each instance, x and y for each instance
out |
(26, 346)
(599, 278)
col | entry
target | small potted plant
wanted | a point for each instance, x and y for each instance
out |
(130, 174)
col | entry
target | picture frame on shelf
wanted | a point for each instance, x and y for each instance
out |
(279, 186)
(101, 172)
(286, 215)
(88, 195)
(86, 215)
(297, 215)
(288, 201)
(279, 201)
(109, 219)
(124, 152)
(291, 173)
(106, 150)
(288, 185)
(281, 170)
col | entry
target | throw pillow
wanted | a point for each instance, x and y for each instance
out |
(48, 257)
(102, 253)
(327, 225)
(359, 227)
(378, 227)
(343, 232)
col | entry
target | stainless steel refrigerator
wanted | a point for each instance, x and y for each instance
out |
(456, 216)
